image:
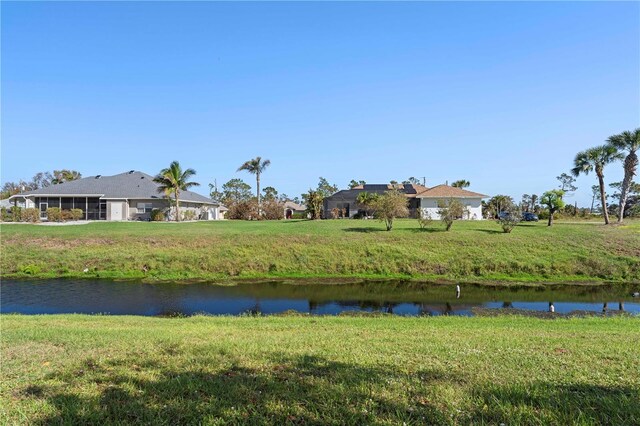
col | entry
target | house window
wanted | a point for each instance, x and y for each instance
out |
(145, 208)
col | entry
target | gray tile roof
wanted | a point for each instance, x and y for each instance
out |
(130, 185)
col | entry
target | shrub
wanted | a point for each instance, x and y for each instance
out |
(272, 209)
(390, 205)
(157, 215)
(66, 215)
(30, 215)
(299, 216)
(16, 213)
(54, 214)
(509, 220)
(77, 214)
(313, 200)
(245, 210)
(450, 210)
(188, 215)
(5, 215)
(424, 219)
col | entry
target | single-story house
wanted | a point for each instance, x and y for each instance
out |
(471, 200)
(421, 200)
(125, 196)
(291, 207)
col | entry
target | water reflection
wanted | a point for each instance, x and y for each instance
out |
(394, 298)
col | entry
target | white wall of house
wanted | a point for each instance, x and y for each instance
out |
(473, 206)
(212, 213)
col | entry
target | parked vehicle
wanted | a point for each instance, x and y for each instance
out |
(529, 217)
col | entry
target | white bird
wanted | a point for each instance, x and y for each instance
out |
(85, 270)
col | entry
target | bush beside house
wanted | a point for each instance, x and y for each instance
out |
(30, 215)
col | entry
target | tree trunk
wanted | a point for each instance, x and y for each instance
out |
(258, 191)
(603, 198)
(551, 212)
(177, 206)
(593, 200)
(630, 165)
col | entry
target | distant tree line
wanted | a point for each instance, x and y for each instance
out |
(38, 181)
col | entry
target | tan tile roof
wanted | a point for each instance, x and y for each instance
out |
(446, 191)
(294, 206)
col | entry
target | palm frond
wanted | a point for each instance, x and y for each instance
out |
(626, 141)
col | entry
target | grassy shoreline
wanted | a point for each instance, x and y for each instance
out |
(474, 251)
(295, 370)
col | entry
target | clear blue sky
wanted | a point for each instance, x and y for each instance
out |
(501, 94)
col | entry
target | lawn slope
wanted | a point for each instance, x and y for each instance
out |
(472, 250)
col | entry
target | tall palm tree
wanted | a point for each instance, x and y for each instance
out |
(172, 180)
(256, 166)
(594, 159)
(630, 142)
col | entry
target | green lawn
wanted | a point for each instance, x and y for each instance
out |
(472, 251)
(73, 369)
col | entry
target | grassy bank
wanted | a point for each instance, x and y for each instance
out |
(336, 370)
(473, 250)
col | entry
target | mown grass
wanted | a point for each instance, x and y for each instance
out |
(473, 251)
(74, 369)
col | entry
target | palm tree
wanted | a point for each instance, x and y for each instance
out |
(629, 142)
(256, 167)
(461, 183)
(594, 159)
(172, 180)
(366, 199)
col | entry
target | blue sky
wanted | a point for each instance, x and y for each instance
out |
(501, 94)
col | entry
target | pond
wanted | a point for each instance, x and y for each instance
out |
(58, 296)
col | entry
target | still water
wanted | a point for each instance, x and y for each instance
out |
(399, 298)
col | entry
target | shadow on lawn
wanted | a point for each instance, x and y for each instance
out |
(301, 390)
(365, 229)
(383, 229)
(425, 230)
(547, 403)
(490, 231)
(312, 390)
